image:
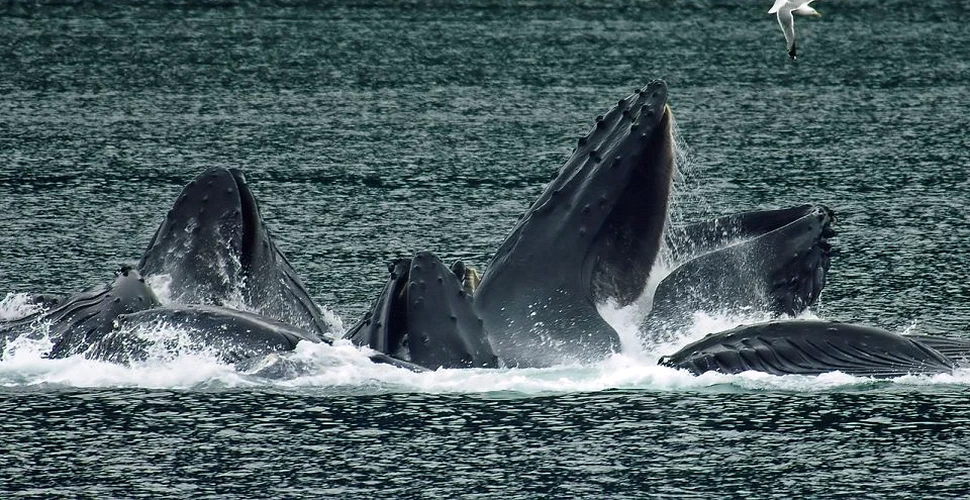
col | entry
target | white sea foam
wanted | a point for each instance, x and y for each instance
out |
(16, 306)
(346, 369)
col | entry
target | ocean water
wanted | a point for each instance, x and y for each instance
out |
(371, 130)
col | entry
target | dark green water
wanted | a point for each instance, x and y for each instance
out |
(370, 130)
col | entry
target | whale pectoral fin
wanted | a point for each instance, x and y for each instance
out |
(810, 348)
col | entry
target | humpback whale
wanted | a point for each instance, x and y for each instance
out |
(539, 295)
(215, 248)
(773, 261)
(425, 316)
(812, 348)
(593, 235)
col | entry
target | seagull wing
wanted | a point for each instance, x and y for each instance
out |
(778, 5)
(787, 22)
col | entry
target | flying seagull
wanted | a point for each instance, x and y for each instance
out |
(784, 10)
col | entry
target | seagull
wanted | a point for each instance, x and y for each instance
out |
(785, 9)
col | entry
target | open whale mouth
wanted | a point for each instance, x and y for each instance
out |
(425, 316)
(404, 295)
(249, 218)
(687, 242)
(396, 317)
(384, 329)
(625, 248)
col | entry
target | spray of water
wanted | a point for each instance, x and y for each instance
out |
(17, 305)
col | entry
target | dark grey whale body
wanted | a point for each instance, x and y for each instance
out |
(592, 235)
(215, 249)
(773, 261)
(810, 348)
(595, 234)
(425, 316)
(231, 334)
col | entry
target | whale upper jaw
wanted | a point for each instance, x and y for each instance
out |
(207, 241)
(592, 235)
(216, 250)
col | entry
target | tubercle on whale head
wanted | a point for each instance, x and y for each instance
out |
(215, 214)
(598, 171)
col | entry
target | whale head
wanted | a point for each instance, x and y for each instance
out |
(425, 316)
(216, 249)
(592, 236)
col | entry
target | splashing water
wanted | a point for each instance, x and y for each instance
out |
(344, 368)
(18, 305)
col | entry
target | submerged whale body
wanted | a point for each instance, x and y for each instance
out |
(425, 316)
(592, 236)
(774, 261)
(84, 317)
(230, 334)
(813, 348)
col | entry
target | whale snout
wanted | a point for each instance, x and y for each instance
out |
(652, 99)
